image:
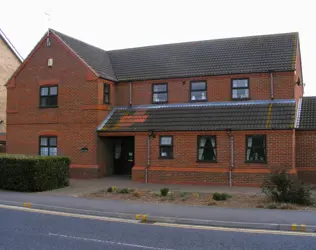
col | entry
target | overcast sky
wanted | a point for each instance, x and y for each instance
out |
(115, 24)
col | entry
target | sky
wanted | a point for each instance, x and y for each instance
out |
(117, 24)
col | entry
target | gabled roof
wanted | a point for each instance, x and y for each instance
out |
(10, 46)
(253, 54)
(307, 113)
(247, 115)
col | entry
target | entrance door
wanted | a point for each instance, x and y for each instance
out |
(123, 155)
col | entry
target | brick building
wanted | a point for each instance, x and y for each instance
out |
(222, 112)
(10, 60)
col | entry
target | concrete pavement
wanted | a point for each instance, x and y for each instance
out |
(25, 230)
(197, 215)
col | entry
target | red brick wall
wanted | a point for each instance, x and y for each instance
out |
(298, 89)
(80, 105)
(218, 88)
(184, 168)
(305, 155)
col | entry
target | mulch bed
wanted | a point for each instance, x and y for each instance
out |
(237, 200)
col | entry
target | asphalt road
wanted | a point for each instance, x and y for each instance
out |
(25, 230)
(77, 205)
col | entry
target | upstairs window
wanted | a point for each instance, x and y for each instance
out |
(240, 89)
(106, 94)
(48, 96)
(166, 147)
(256, 148)
(206, 148)
(198, 91)
(48, 145)
(160, 93)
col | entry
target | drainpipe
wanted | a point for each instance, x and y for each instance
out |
(148, 158)
(130, 93)
(231, 147)
(272, 85)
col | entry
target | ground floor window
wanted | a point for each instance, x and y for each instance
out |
(206, 148)
(256, 148)
(166, 147)
(48, 145)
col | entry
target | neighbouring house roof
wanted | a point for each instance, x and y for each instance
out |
(247, 115)
(307, 113)
(10, 46)
(253, 54)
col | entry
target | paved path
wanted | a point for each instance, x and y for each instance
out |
(82, 187)
(25, 230)
(167, 210)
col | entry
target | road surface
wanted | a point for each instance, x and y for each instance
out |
(29, 230)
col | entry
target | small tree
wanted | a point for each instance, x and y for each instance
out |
(281, 187)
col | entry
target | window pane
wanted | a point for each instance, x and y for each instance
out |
(52, 100)
(106, 88)
(44, 141)
(53, 91)
(106, 98)
(198, 85)
(162, 97)
(53, 141)
(166, 151)
(258, 141)
(44, 151)
(242, 83)
(44, 101)
(53, 151)
(160, 88)
(44, 91)
(207, 154)
(198, 95)
(166, 140)
(240, 93)
(202, 141)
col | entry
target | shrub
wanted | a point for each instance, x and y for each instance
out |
(164, 191)
(109, 190)
(221, 196)
(271, 206)
(123, 191)
(136, 194)
(280, 187)
(183, 194)
(33, 173)
(196, 195)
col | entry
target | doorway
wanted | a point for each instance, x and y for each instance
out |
(123, 155)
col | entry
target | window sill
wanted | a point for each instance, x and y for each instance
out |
(199, 161)
(48, 107)
(240, 99)
(165, 158)
(257, 162)
(198, 100)
(159, 102)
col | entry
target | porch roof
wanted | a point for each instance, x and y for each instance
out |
(246, 115)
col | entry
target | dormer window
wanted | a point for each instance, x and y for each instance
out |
(240, 89)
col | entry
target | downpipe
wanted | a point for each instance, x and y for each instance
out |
(272, 85)
(130, 93)
(148, 159)
(231, 147)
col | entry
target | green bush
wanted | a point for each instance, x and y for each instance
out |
(123, 191)
(221, 196)
(281, 187)
(33, 173)
(164, 191)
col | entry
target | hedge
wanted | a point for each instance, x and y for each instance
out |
(33, 173)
